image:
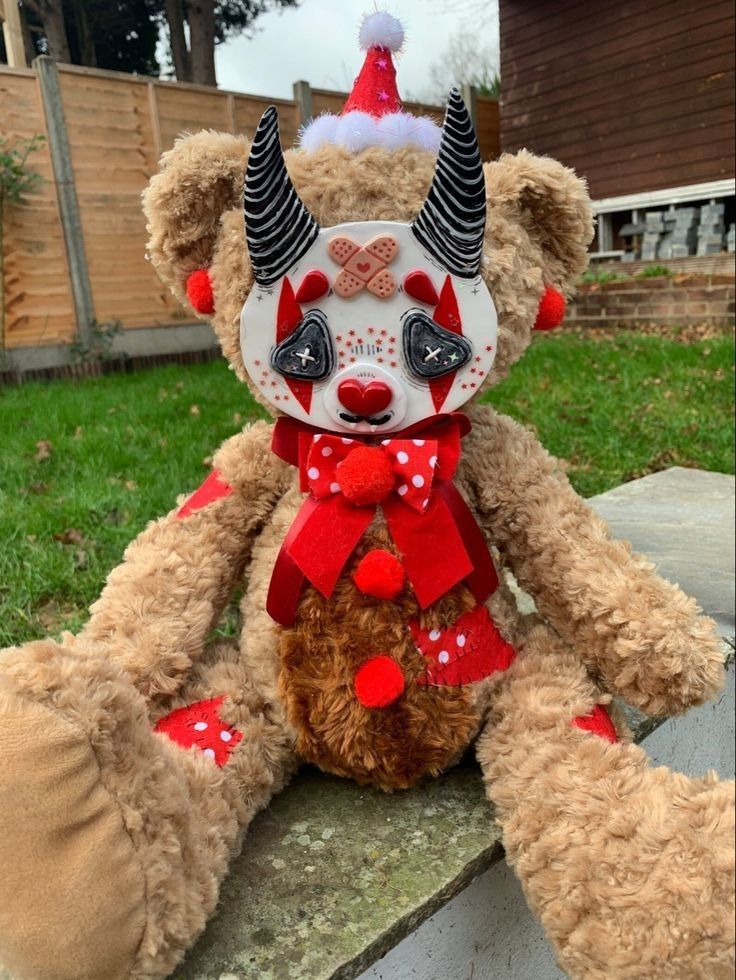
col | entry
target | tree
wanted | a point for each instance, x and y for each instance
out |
(96, 33)
(465, 61)
(123, 35)
(209, 22)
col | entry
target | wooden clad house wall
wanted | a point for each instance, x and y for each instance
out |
(634, 95)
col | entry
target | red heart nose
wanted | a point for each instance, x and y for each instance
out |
(360, 399)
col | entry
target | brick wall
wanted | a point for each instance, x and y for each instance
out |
(677, 300)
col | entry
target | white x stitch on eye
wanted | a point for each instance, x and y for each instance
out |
(432, 355)
(305, 356)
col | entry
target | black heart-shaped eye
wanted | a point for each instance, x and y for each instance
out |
(307, 353)
(430, 350)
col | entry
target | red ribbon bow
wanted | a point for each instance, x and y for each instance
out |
(430, 523)
(413, 461)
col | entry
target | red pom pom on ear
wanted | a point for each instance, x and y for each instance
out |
(199, 292)
(379, 682)
(380, 574)
(551, 310)
(365, 476)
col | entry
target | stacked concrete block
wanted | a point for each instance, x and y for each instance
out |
(710, 232)
(681, 233)
(731, 238)
(653, 229)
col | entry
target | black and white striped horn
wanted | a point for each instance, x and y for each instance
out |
(278, 227)
(451, 223)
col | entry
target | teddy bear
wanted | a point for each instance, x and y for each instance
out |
(368, 287)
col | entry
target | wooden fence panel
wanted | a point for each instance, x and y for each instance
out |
(488, 127)
(113, 147)
(185, 109)
(38, 302)
(250, 108)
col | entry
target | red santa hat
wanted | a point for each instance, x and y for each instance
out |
(372, 114)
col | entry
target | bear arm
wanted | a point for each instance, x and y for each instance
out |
(160, 604)
(642, 634)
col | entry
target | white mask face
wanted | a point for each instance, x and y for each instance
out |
(365, 333)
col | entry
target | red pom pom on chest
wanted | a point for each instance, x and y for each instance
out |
(379, 682)
(199, 292)
(551, 310)
(365, 476)
(380, 574)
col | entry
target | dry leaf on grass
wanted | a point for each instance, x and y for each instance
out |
(70, 536)
(44, 448)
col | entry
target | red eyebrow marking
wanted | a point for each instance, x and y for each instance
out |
(420, 287)
(313, 285)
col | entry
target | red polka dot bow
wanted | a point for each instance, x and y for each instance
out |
(406, 467)
(410, 478)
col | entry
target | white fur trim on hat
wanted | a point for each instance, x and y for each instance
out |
(381, 29)
(358, 130)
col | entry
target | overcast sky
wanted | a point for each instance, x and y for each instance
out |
(317, 41)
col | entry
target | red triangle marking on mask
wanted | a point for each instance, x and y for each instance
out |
(302, 391)
(446, 315)
(289, 314)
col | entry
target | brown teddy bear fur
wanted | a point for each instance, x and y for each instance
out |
(113, 839)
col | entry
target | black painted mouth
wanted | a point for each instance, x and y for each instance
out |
(375, 420)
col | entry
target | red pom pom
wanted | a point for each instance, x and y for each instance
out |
(598, 722)
(551, 310)
(379, 682)
(365, 476)
(380, 574)
(199, 292)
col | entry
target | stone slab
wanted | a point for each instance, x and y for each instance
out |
(332, 875)
(684, 521)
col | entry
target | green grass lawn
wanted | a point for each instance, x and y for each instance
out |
(84, 466)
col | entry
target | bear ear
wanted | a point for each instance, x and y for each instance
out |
(200, 179)
(549, 204)
(540, 222)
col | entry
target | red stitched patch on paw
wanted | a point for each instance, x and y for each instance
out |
(211, 490)
(200, 724)
(469, 650)
(598, 722)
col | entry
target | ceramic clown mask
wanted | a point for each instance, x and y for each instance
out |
(368, 327)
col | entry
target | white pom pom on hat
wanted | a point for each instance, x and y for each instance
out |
(373, 114)
(381, 29)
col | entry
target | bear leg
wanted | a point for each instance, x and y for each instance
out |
(114, 838)
(630, 868)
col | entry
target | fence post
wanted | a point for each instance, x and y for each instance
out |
(66, 193)
(303, 99)
(470, 98)
(13, 34)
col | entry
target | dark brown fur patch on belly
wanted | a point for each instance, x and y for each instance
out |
(393, 747)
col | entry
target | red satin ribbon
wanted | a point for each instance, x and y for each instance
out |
(440, 542)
